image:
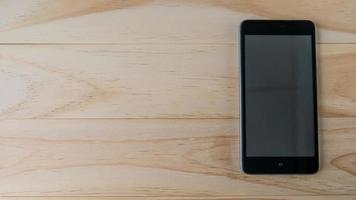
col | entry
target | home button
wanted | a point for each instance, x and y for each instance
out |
(280, 164)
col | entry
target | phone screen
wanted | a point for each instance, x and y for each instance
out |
(279, 119)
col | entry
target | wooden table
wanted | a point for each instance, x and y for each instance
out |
(139, 100)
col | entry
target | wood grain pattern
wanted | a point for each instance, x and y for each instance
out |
(118, 81)
(147, 81)
(142, 21)
(337, 86)
(138, 99)
(142, 157)
(319, 197)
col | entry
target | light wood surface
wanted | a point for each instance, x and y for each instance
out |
(167, 21)
(139, 100)
(141, 157)
(148, 81)
(319, 197)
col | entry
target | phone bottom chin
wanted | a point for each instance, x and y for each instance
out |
(280, 165)
(266, 172)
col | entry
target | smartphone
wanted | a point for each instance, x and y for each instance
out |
(278, 112)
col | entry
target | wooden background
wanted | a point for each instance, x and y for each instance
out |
(139, 99)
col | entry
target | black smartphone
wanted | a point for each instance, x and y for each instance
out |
(278, 113)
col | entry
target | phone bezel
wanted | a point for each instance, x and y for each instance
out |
(278, 165)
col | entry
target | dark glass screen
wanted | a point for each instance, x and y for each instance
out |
(279, 112)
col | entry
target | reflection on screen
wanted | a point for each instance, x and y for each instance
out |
(279, 96)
